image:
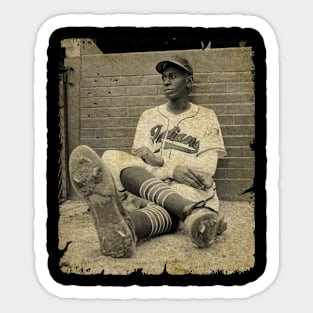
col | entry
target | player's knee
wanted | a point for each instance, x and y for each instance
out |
(120, 160)
(113, 155)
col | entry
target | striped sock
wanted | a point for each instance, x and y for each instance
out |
(160, 220)
(150, 221)
(143, 184)
(155, 190)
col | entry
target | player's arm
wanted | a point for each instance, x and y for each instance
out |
(198, 170)
(195, 171)
(148, 156)
(142, 146)
(204, 165)
(141, 135)
(198, 173)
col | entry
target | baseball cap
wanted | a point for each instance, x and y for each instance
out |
(177, 60)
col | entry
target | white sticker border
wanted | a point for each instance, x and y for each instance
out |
(272, 152)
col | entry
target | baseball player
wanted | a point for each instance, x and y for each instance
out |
(165, 181)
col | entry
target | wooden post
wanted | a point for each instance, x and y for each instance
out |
(72, 63)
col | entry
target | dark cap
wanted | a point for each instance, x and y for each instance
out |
(176, 60)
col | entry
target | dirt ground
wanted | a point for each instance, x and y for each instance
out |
(232, 252)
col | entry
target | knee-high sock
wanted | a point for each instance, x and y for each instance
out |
(152, 220)
(141, 183)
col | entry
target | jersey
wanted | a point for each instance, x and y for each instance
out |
(187, 139)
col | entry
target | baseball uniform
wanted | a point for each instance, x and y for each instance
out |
(192, 138)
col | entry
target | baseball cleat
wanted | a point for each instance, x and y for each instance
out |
(203, 225)
(94, 184)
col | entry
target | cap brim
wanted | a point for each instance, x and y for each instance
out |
(161, 66)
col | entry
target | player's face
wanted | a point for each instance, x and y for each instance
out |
(174, 83)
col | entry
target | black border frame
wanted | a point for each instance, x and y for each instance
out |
(149, 38)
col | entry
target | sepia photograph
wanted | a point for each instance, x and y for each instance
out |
(156, 156)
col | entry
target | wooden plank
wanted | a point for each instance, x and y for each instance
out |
(209, 88)
(239, 119)
(100, 112)
(155, 90)
(122, 91)
(113, 112)
(222, 60)
(121, 101)
(226, 119)
(236, 162)
(222, 98)
(235, 130)
(87, 133)
(224, 77)
(72, 107)
(233, 141)
(239, 152)
(140, 80)
(232, 108)
(87, 113)
(130, 80)
(110, 112)
(143, 63)
(232, 104)
(230, 173)
(233, 189)
(244, 119)
(107, 143)
(115, 132)
(106, 122)
(137, 111)
(72, 90)
(242, 87)
(100, 151)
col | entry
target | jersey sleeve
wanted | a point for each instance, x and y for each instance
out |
(212, 138)
(141, 138)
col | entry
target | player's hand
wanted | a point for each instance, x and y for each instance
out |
(148, 156)
(208, 181)
(185, 175)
